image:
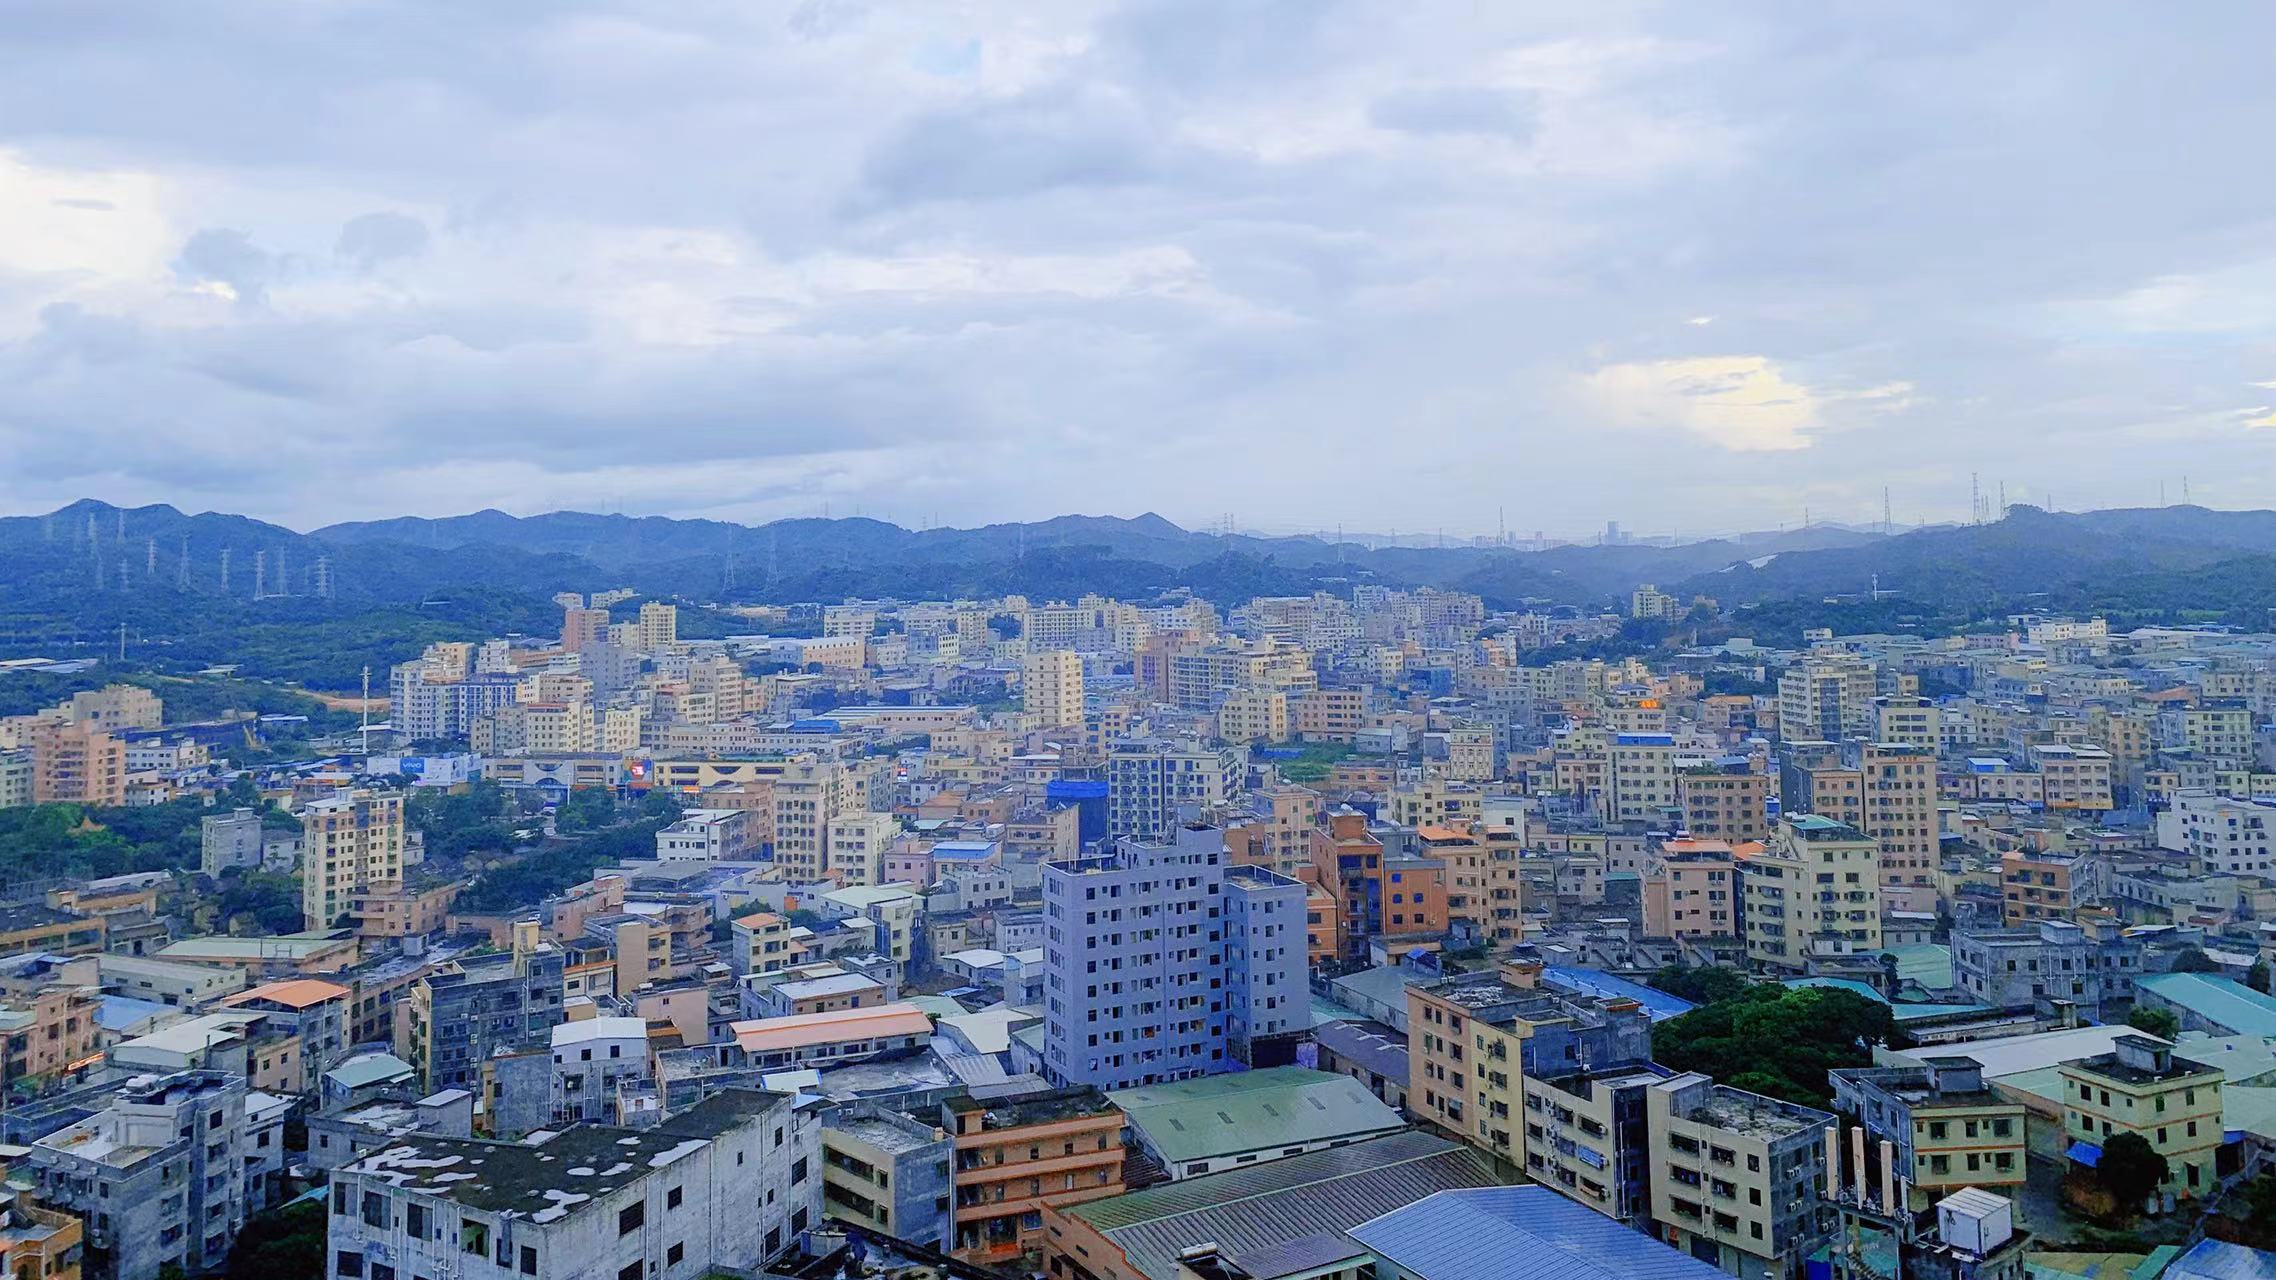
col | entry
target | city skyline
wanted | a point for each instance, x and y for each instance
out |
(1641, 264)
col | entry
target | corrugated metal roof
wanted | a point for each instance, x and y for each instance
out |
(1520, 1233)
(2220, 1260)
(1268, 1205)
(2221, 1001)
(1253, 1111)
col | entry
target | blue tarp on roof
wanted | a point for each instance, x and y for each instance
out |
(2085, 1153)
(1596, 982)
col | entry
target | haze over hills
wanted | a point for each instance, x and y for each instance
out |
(71, 560)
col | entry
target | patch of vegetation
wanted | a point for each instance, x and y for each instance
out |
(1778, 1041)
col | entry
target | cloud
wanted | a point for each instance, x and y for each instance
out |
(372, 238)
(1486, 112)
(953, 260)
(1742, 403)
(226, 260)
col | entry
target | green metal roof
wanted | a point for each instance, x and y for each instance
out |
(2220, 1001)
(1263, 1111)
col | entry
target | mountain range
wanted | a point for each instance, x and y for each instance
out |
(78, 573)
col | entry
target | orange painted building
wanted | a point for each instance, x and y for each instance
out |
(1017, 1155)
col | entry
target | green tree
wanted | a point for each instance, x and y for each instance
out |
(2257, 977)
(1783, 1040)
(2194, 960)
(2158, 1022)
(2131, 1170)
(585, 809)
(1703, 985)
(286, 1242)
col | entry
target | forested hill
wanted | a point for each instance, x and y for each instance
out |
(184, 585)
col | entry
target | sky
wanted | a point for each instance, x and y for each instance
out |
(1450, 265)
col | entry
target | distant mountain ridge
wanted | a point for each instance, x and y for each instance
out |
(53, 560)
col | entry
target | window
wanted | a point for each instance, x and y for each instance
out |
(350, 1264)
(672, 1255)
(630, 1218)
(672, 1198)
(629, 1271)
(529, 1261)
(798, 1170)
(415, 1221)
(474, 1238)
(375, 1210)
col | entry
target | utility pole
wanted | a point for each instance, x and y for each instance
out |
(1975, 500)
(122, 642)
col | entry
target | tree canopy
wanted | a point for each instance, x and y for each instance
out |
(2131, 1170)
(1776, 1040)
(1703, 985)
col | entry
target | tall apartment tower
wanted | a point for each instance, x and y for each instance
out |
(1051, 687)
(659, 626)
(77, 764)
(1827, 701)
(1898, 808)
(351, 841)
(581, 629)
(1160, 966)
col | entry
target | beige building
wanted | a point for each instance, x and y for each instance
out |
(1813, 893)
(1898, 809)
(77, 763)
(2141, 1087)
(1724, 804)
(1737, 1178)
(350, 841)
(1691, 890)
(1642, 777)
(659, 625)
(808, 796)
(1253, 714)
(858, 845)
(1051, 687)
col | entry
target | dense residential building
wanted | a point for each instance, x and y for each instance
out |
(474, 1008)
(1950, 1130)
(1738, 1178)
(1051, 687)
(1149, 782)
(2093, 966)
(157, 1176)
(1159, 965)
(2142, 1087)
(727, 1184)
(889, 1172)
(1812, 895)
(350, 841)
(1475, 1039)
(1017, 1156)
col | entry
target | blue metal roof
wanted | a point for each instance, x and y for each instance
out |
(2085, 1153)
(1519, 1233)
(2220, 1260)
(1596, 982)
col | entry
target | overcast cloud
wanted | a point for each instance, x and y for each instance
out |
(1394, 265)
